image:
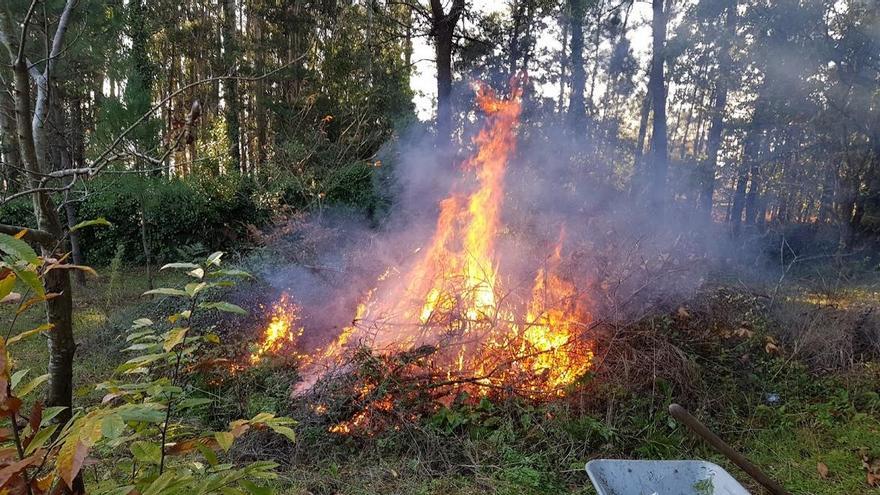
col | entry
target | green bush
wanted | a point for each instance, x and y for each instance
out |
(18, 212)
(178, 214)
(188, 217)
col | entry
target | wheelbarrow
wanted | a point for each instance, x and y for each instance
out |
(686, 477)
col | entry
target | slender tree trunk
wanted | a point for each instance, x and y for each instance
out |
(638, 179)
(9, 141)
(59, 310)
(659, 154)
(513, 51)
(717, 126)
(563, 58)
(443, 29)
(577, 112)
(230, 88)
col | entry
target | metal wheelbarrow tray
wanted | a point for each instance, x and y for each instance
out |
(628, 477)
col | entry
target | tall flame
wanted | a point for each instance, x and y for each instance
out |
(451, 298)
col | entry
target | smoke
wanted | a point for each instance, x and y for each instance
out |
(625, 259)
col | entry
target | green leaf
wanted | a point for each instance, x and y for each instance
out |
(183, 266)
(30, 279)
(224, 306)
(18, 249)
(194, 288)
(230, 273)
(141, 361)
(100, 221)
(112, 426)
(141, 323)
(255, 489)
(142, 413)
(16, 377)
(146, 452)
(120, 490)
(40, 439)
(31, 385)
(284, 431)
(138, 335)
(209, 454)
(174, 337)
(6, 285)
(50, 412)
(160, 484)
(224, 439)
(165, 291)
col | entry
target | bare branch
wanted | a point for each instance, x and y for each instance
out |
(40, 237)
(24, 29)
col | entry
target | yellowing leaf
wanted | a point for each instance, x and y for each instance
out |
(224, 439)
(174, 337)
(63, 266)
(100, 221)
(6, 285)
(31, 385)
(197, 272)
(45, 327)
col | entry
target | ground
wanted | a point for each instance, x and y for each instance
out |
(792, 419)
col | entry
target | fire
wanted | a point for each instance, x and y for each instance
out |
(454, 298)
(281, 331)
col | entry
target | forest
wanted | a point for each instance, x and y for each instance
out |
(438, 246)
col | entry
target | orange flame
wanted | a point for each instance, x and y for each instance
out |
(281, 331)
(452, 298)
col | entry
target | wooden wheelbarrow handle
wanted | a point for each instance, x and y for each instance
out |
(721, 446)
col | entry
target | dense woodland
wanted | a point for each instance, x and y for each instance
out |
(198, 126)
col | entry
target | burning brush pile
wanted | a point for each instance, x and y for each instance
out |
(448, 319)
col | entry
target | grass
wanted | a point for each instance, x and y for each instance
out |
(513, 448)
(102, 308)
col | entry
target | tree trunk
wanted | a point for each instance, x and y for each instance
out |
(9, 141)
(658, 161)
(513, 51)
(563, 59)
(637, 184)
(717, 126)
(59, 310)
(443, 29)
(577, 112)
(230, 86)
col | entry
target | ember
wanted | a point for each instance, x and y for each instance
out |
(453, 300)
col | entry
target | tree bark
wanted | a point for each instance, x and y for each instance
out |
(443, 29)
(230, 87)
(638, 178)
(577, 112)
(717, 126)
(30, 126)
(659, 159)
(9, 141)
